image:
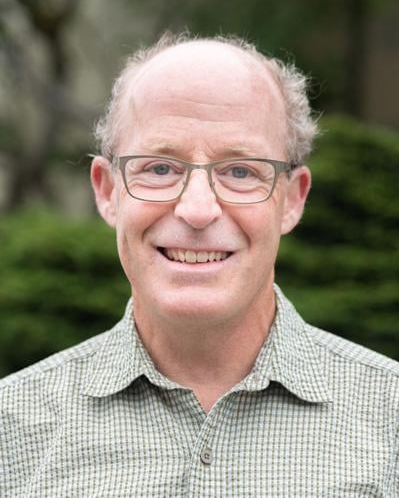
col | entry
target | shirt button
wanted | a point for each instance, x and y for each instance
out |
(206, 456)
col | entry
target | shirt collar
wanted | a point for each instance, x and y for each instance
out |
(117, 362)
(289, 357)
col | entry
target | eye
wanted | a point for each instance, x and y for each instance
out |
(160, 169)
(240, 171)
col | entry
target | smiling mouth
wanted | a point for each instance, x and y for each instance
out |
(188, 256)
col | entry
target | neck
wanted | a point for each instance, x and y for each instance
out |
(207, 357)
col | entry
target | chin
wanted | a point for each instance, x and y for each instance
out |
(191, 308)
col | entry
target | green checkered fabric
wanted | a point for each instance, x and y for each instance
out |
(316, 417)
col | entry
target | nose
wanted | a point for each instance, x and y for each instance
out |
(198, 205)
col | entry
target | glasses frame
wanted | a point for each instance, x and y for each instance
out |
(279, 167)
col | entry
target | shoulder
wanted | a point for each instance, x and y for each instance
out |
(60, 366)
(338, 357)
(34, 402)
(347, 352)
(359, 377)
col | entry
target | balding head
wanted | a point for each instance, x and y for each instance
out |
(198, 78)
(217, 62)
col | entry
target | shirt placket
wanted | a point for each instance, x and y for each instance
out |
(202, 474)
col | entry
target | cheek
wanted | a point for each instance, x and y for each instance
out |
(132, 224)
(135, 220)
(260, 223)
(134, 217)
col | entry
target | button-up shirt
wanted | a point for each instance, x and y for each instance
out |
(316, 417)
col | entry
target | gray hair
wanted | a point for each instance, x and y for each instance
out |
(301, 125)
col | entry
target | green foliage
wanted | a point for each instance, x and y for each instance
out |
(341, 265)
(62, 281)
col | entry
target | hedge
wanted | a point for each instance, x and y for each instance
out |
(61, 282)
(341, 265)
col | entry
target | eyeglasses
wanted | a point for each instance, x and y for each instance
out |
(236, 181)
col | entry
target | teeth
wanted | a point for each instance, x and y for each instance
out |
(181, 256)
(195, 257)
(191, 257)
(202, 257)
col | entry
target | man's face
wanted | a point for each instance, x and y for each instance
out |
(201, 103)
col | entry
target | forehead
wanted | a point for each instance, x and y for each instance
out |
(208, 84)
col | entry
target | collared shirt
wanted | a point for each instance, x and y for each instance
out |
(316, 417)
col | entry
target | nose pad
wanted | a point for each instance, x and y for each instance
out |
(198, 205)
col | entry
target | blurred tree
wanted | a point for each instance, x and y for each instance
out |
(47, 89)
(358, 15)
(329, 39)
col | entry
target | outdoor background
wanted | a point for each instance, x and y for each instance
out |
(60, 279)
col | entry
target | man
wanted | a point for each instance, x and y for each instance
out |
(211, 385)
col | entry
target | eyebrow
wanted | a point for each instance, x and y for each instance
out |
(162, 148)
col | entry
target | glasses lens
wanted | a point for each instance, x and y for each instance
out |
(155, 179)
(243, 181)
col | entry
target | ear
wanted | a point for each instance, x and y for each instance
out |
(297, 191)
(103, 182)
